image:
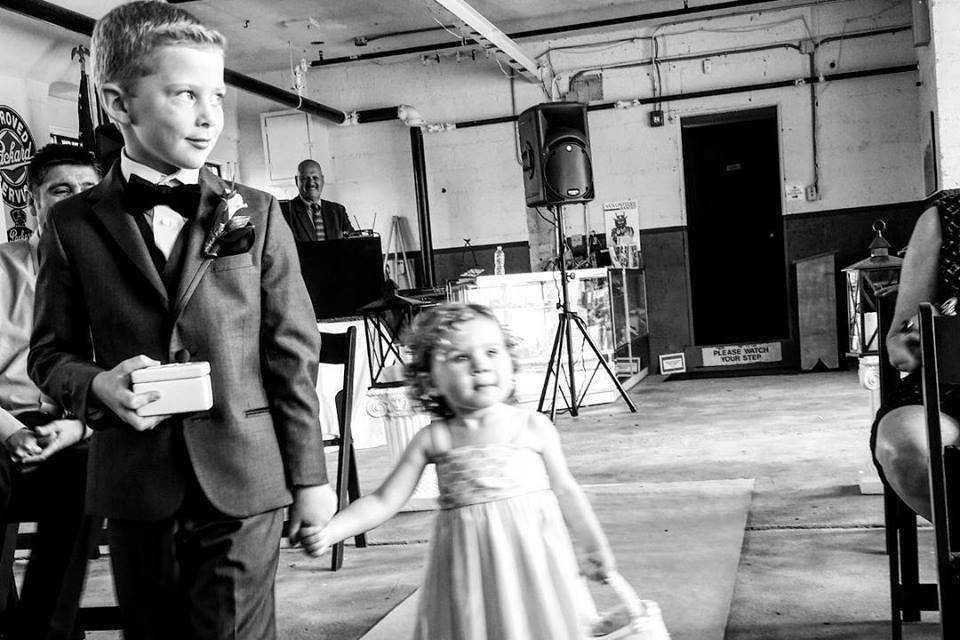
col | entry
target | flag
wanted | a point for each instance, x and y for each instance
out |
(84, 115)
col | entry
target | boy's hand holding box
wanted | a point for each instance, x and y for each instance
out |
(183, 388)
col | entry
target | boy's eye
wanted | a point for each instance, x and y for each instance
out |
(186, 94)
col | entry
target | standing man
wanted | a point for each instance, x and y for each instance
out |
(42, 476)
(311, 218)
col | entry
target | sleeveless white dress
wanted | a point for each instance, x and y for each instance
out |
(501, 566)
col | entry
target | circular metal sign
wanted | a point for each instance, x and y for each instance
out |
(16, 150)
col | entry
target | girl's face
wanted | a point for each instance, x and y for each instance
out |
(473, 370)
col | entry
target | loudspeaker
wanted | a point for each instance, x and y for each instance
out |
(555, 151)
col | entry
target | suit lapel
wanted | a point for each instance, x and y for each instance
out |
(331, 220)
(194, 263)
(110, 211)
(303, 219)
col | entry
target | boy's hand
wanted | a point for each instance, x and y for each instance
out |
(113, 389)
(312, 507)
(598, 564)
(315, 540)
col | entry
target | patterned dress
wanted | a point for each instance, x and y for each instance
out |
(502, 566)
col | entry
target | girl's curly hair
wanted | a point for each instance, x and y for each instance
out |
(430, 330)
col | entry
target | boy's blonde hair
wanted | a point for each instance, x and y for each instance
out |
(126, 37)
(430, 331)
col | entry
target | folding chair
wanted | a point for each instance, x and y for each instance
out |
(341, 349)
(87, 618)
(908, 596)
(940, 347)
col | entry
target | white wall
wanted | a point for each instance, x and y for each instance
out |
(869, 142)
(941, 89)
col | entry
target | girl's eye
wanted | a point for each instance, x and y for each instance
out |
(493, 351)
(461, 357)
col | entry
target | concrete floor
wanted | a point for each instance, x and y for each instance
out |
(812, 563)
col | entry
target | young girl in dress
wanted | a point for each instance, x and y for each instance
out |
(502, 564)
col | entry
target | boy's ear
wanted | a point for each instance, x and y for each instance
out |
(113, 99)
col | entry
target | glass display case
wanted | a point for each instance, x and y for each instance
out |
(527, 304)
(628, 301)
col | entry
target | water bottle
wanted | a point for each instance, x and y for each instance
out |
(499, 262)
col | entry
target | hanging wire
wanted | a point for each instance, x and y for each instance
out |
(299, 73)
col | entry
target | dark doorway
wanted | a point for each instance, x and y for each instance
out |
(738, 286)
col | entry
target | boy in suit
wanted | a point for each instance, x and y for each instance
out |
(310, 217)
(162, 261)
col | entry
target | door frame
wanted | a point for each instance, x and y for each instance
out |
(727, 116)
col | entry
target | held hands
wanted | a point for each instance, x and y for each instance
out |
(113, 389)
(311, 510)
(32, 446)
(316, 540)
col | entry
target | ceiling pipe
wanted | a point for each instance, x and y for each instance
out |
(79, 23)
(779, 84)
(533, 33)
(292, 100)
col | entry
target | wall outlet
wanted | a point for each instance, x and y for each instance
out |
(812, 194)
(656, 118)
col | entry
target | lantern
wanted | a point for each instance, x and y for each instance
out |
(866, 281)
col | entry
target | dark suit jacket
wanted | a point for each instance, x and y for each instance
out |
(335, 220)
(100, 300)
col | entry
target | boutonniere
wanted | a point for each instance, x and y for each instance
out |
(230, 233)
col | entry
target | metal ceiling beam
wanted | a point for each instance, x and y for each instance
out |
(487, 35)
(79, 23)
(548, 31)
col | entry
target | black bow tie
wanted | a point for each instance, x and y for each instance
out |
(140, 195)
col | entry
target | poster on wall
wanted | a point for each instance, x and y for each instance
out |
(16, 150)
(621, 220)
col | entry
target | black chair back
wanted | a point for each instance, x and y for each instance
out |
(940, 348)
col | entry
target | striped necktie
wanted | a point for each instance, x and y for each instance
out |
(318, 221)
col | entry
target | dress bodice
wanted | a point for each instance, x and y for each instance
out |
(475, 474)
(948, 270)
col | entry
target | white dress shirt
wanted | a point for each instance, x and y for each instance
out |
(164, 221)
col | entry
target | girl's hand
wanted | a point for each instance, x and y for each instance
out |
(315, 541)
(598, 564)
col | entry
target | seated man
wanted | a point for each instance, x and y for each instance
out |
(43, 475)
(310, 217)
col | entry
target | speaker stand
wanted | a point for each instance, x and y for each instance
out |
(563, 340)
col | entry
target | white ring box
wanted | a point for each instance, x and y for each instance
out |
(183, 387)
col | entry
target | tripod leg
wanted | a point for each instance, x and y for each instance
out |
(573, 404)
(583, 329)
(550, 363)
(561, 331)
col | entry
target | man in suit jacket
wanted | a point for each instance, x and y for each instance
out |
(310, 217)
